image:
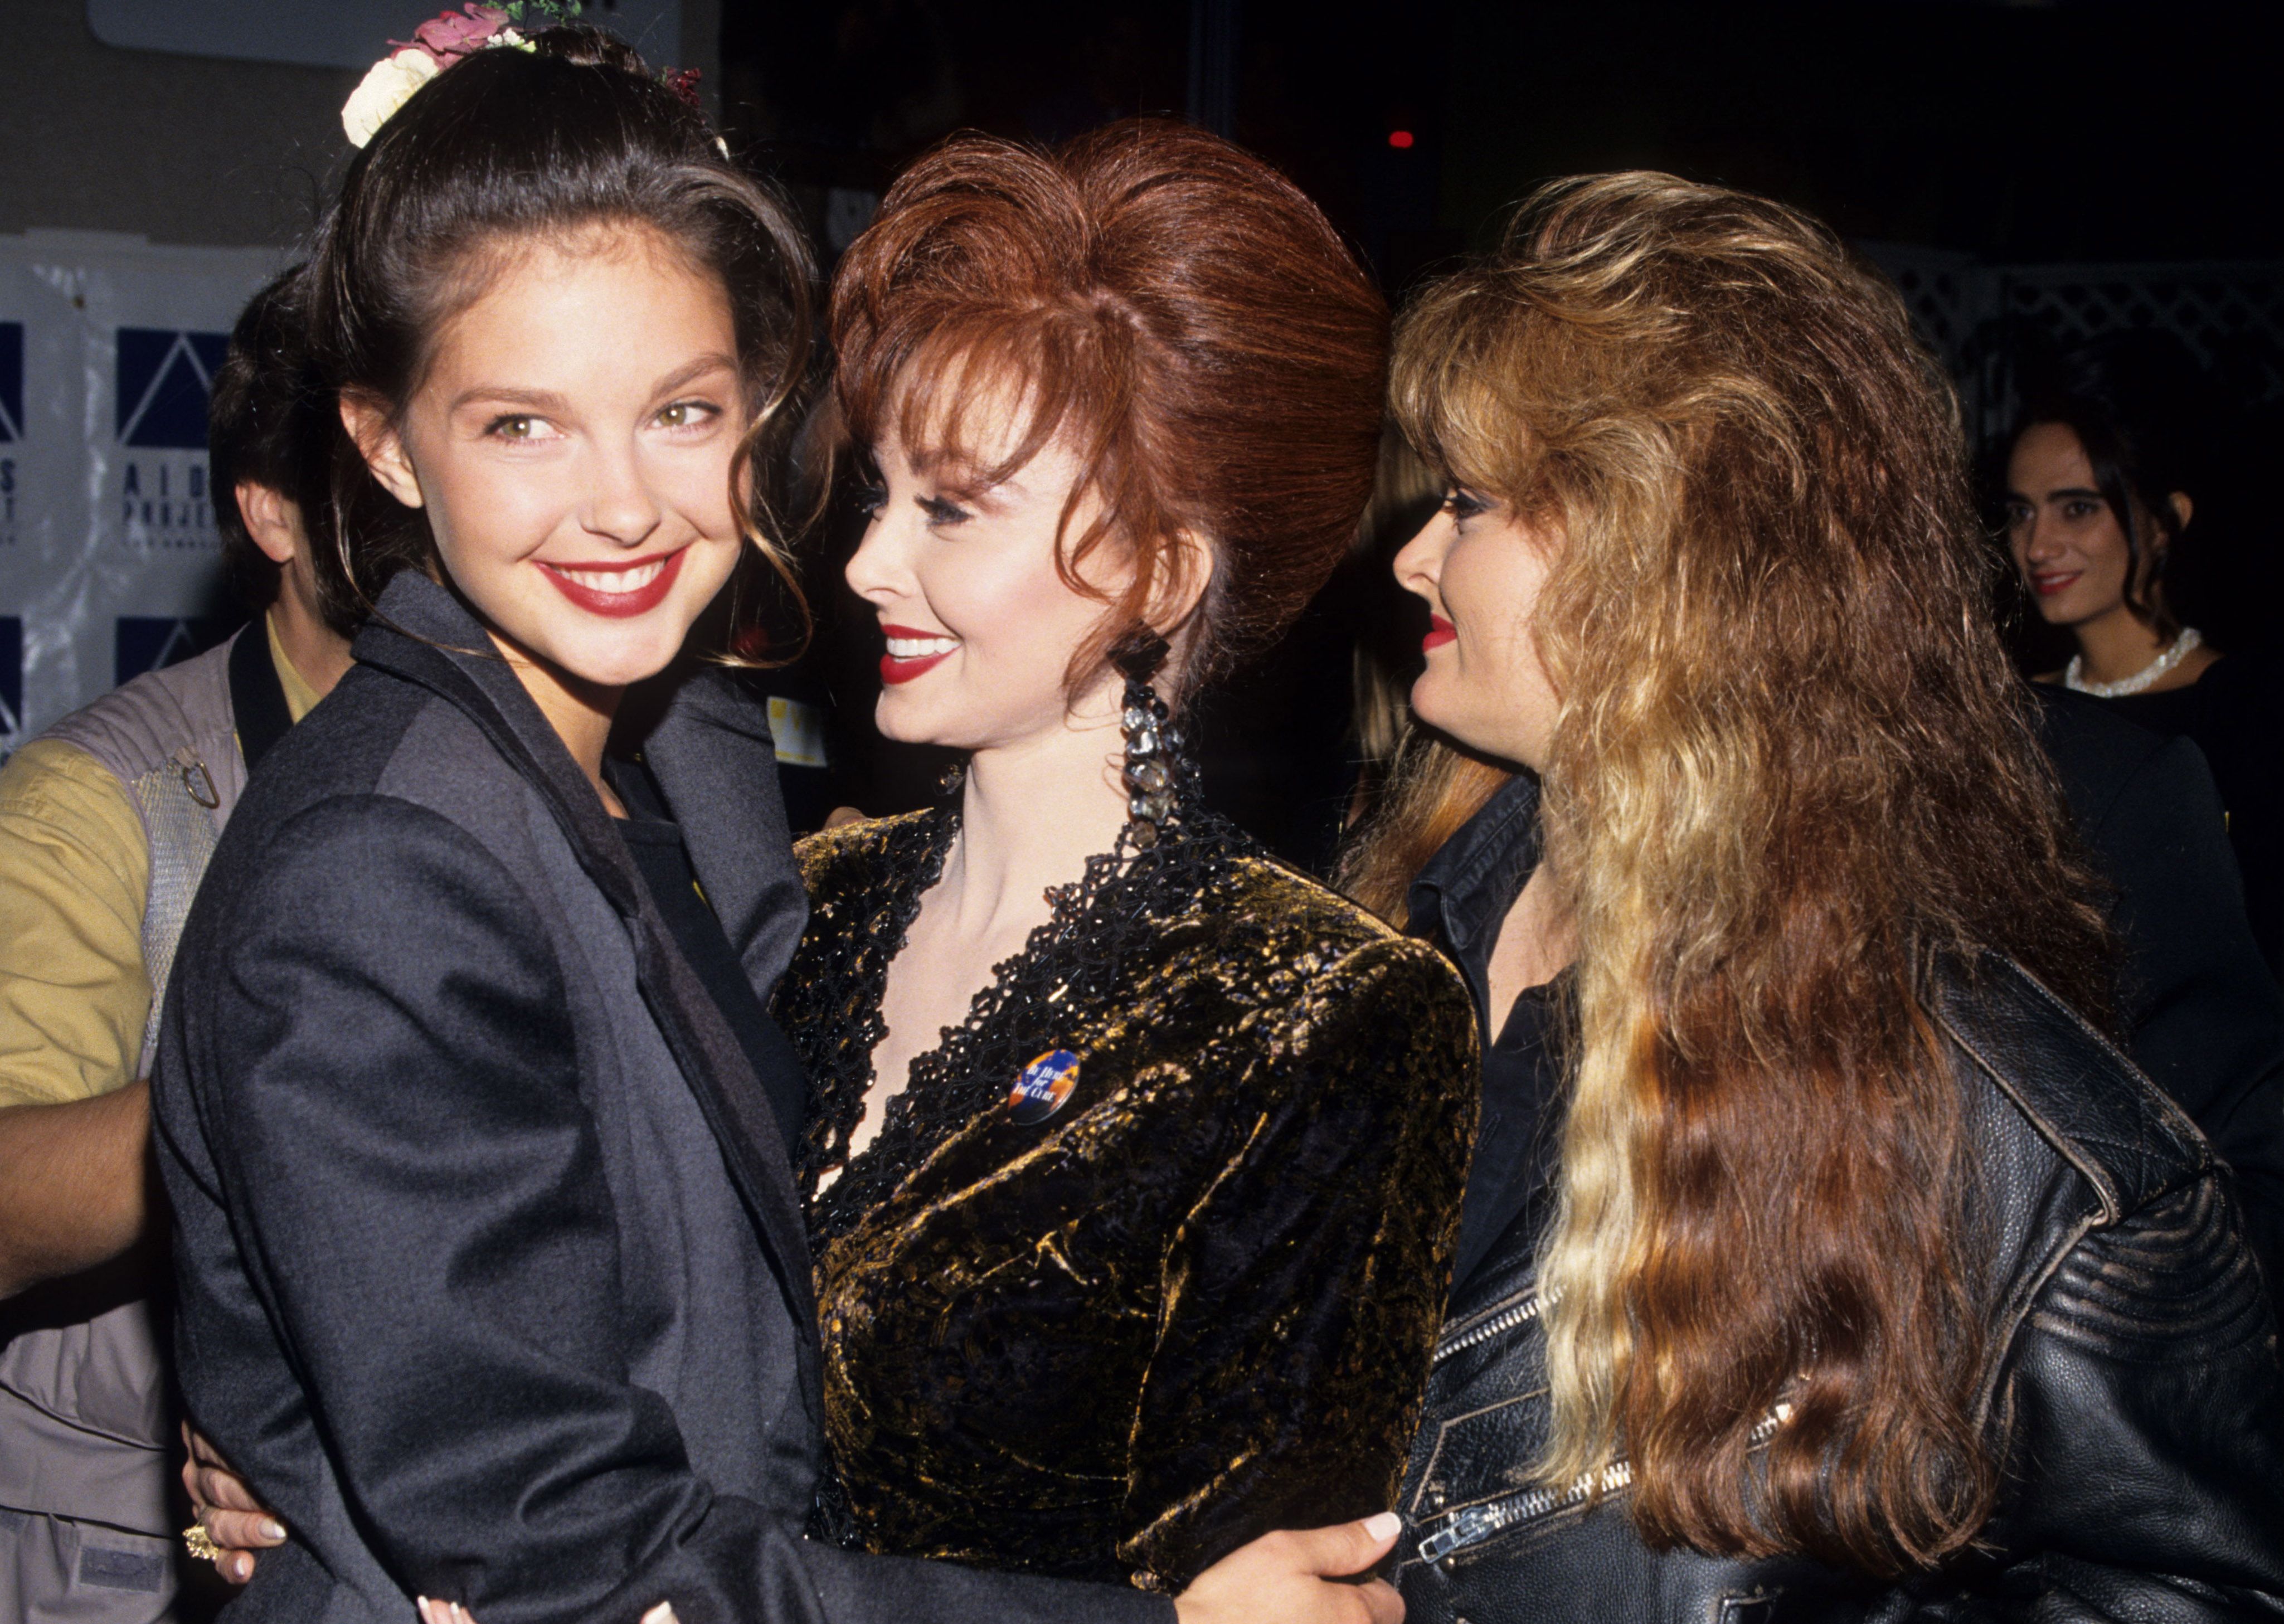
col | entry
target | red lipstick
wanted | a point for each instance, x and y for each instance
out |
(618, 606)
(894, 670)
(1440, 631)
(2046, 585)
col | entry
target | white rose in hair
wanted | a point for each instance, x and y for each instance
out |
(388, 87)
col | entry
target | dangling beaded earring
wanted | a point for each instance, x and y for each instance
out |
(1151, 743)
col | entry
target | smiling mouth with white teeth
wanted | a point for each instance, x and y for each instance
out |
(613, 581)
(911, 652)
(920, 648)
(618, 592)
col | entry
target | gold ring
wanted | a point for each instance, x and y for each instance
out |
(201, 1544)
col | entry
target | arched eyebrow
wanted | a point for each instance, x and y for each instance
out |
(502, 395)
(691, 371)
(550, 400)
(962, 477)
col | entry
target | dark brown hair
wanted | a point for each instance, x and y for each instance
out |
(1180, 313)
(2136, 402)
(267, 424)
(1793, 781)
(573, 134)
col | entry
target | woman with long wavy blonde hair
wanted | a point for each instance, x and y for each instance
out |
(1822, 1257)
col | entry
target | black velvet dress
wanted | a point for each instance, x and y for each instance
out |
(1195, 1303)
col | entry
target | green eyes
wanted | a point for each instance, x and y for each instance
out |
(526, 428)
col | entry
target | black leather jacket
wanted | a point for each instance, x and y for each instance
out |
(2134, 1387)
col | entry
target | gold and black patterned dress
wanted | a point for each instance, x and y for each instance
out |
(1194, 1304)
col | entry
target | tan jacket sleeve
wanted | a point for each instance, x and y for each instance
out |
(74, 874)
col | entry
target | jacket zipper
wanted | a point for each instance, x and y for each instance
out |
(1506, 1319)
(1478, 1523)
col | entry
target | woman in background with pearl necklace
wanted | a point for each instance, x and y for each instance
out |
(2101, 492)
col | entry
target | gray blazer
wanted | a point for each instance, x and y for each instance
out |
(493, 1276)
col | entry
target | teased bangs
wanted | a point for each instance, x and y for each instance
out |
(1453, 356)
(985, 395)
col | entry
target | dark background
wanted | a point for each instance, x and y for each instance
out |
(1968, 137)
(2095, 130)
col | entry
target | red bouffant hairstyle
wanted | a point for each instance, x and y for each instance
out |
(1177, 313)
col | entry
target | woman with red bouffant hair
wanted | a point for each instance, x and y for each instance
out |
(1135, 1157)
(1823, 1258)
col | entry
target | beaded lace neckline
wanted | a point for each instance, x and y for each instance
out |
(1033, 1002)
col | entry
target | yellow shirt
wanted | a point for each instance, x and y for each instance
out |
(299, 695)
(75, 873)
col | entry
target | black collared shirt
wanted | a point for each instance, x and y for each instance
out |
(1457, 901)
(653, 839)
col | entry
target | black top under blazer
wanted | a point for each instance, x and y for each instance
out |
(492, 1281)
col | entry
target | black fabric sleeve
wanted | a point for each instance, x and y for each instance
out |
(1303, 1294)
(2207, 1018)
(420, 1196)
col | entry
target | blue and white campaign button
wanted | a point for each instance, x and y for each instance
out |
(1040, 1091)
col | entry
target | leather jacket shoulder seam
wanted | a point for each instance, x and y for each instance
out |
(2064, 1145)
(2029, 1286)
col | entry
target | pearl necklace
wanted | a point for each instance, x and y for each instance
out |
(2074, 675)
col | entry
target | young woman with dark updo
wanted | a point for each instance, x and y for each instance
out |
(1822, 1258)
(495, 1284)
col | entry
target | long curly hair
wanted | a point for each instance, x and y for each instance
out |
(1792, 775)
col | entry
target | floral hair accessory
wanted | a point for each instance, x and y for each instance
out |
(448, 37)
(454, 36)
(445, 39)
(386, 87)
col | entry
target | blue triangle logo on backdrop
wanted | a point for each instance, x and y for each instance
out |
(144, 643)
(11, 381)
(11, 676)
(164, 379)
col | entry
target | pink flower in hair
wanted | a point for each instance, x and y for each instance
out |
(449, 35)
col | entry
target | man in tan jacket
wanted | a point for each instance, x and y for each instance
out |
(105, 824)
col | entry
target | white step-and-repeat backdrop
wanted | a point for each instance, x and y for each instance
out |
(109, 562)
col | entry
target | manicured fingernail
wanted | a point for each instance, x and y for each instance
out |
(272, 1529)
(1383, 1525)
(241, 1568)
(663, 1613)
